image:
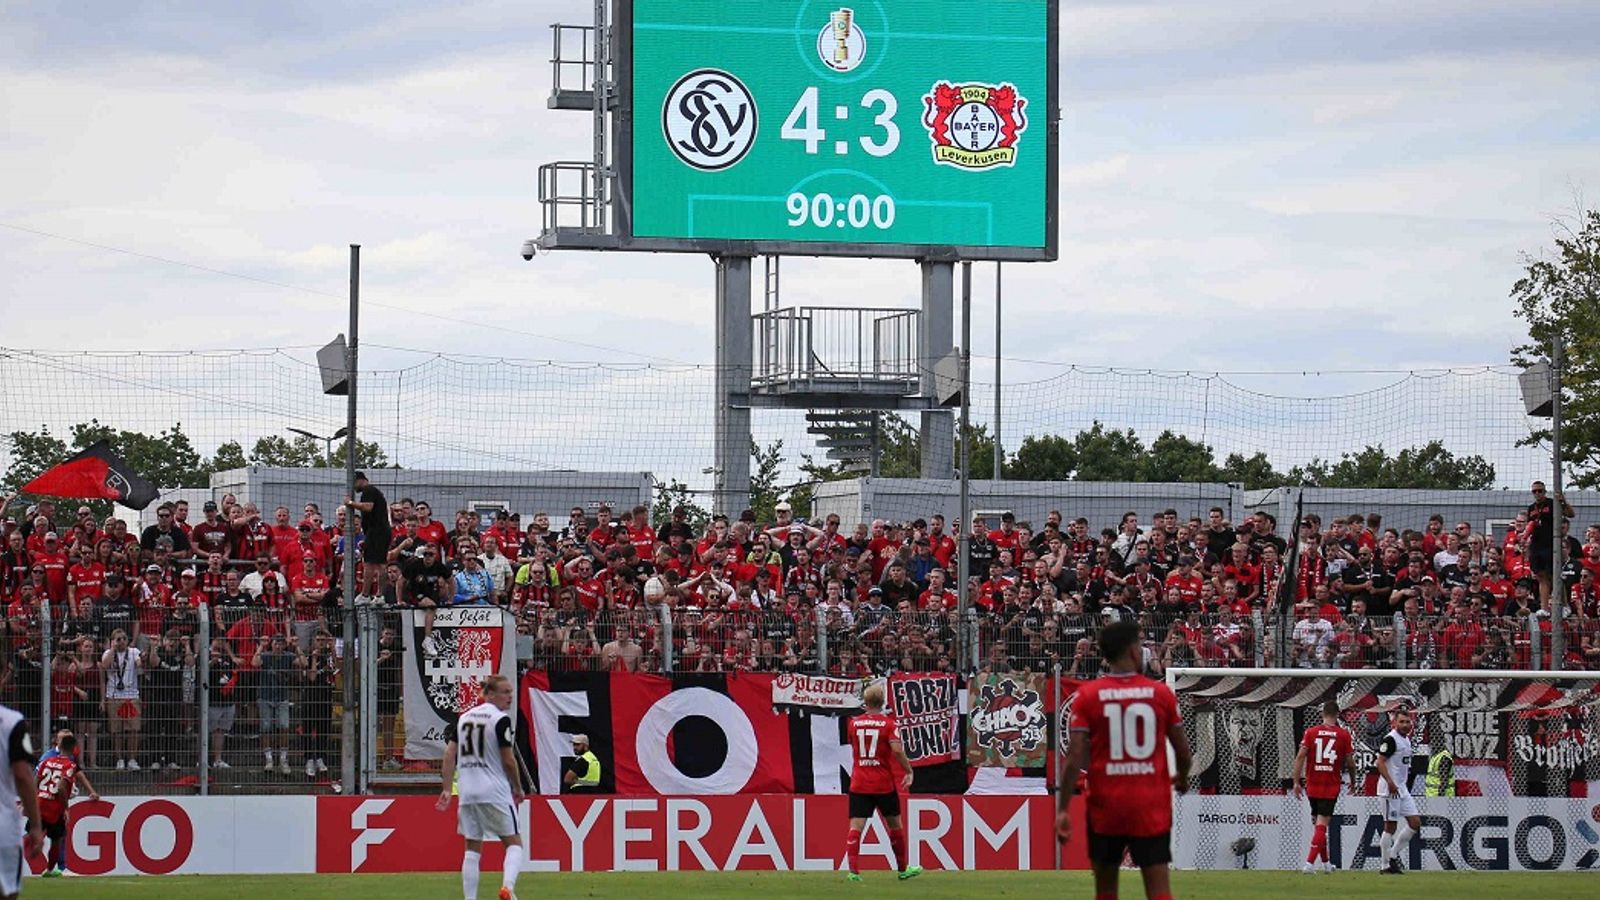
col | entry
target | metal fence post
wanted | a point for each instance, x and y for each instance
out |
(1257, 646)
(46, 663)
(1400, 629)
(370, 626)
(822, 639)
(202, 687)
(1536, 642)
(668, 636)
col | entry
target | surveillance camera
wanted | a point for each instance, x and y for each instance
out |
(529, 250)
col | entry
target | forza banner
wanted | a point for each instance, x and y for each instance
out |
(927, 709)
(1511, 833)
(653, 834)
(473, 643)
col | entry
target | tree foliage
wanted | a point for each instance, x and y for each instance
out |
(1430, 466)
(765, 470)
(672, 494)
(1559, 295)
(308, 453)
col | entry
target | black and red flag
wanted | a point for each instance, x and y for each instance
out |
(95, 474)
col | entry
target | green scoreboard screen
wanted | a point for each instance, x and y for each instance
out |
(867, 127)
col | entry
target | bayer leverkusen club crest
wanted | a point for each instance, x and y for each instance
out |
(974, 126)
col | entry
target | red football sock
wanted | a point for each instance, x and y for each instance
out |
(1106, 895)
(1319, 844)
(1163, 897)
(897, 843)
(852, 846)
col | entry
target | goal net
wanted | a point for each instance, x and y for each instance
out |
(1524, 747)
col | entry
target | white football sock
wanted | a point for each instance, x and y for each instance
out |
(1402, 839)
(513, 866)
(1386, 846)
(469, 874)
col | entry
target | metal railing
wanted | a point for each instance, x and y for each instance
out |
(568, 198)
(836, 344)
(226, 700)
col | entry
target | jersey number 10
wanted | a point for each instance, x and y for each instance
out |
(1133, 730)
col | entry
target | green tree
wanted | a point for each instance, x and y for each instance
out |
(1108, 455)
(308, 453)
(766, 466)
(229, 456)
(672, 494)
(1175, 458)
(1559, 295)
(1430, 466)
(1254, 471)
(1046, 457)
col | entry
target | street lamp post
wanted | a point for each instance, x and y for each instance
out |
(327, 441)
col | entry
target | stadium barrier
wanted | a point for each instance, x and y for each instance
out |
(1513, 833)
(287, 835)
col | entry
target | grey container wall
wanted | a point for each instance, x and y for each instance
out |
(446, 490)
(1101, 502)
(1403, 508)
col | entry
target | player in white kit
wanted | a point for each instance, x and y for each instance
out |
(1400, 817)
(480, 749)
(17, 786)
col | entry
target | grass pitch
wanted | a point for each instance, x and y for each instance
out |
(1233, 885)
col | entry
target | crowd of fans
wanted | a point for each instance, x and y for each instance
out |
(614, 591)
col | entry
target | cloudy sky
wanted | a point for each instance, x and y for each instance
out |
(1246, 184)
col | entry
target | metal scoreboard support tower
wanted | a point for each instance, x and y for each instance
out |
(920, 129)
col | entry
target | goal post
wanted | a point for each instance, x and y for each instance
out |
(1526, 762)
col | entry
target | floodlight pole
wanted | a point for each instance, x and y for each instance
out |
(999, 455)
(347, 724)
(963, 562)
(1558, 596)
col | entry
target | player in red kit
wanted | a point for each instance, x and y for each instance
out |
(56, 776)
(1325, 750)
(874, 746)
(1121, 724)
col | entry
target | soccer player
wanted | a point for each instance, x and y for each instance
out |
(1400, 817)
(874, 744)
(18, 790)
(1121, 724)
(490, 786)
(58, 772)
(1324, 751)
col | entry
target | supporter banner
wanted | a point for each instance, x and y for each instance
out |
(816, 694)
(743, 833)
(927, 710)
(1006, 720)
(190, 836)
(474, 642)
(1513, 833)
(1509, 737)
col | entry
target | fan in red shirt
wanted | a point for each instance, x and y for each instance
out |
(1120, 726)
(1325, 752)
(56, 777)
(874, 748)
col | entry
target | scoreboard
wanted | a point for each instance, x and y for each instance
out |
(854, 127)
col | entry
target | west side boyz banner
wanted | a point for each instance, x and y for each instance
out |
(474, 643)
(926, 707)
